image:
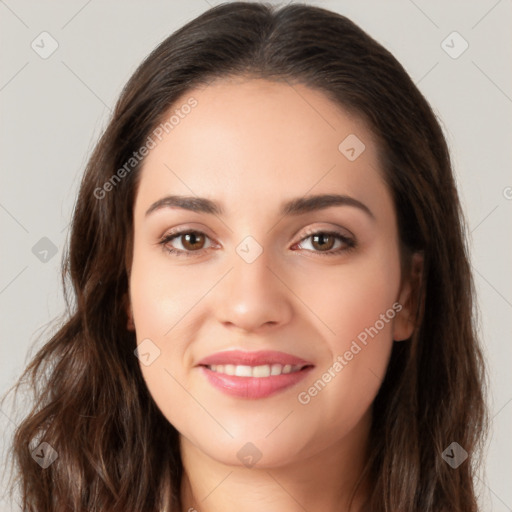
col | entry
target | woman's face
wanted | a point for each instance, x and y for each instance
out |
(257, 330)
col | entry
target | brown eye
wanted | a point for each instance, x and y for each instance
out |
(193, 240)
(327, 243)
(185, 243)
(323, 241)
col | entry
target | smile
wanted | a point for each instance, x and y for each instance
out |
(265, 370)
(253, 375)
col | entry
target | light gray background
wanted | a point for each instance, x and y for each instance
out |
(54, 109)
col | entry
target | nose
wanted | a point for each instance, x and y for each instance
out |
(254, 296)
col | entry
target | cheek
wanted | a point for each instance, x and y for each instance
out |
(161, 294)
(351, 298)
(160, 301)
(356, 303)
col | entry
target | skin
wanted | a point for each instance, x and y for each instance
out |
(251, 144)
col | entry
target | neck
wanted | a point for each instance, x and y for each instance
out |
(324, 481)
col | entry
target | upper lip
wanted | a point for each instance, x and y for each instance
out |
(254, 358)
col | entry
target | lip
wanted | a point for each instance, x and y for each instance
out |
(240, 357)
(253, 387)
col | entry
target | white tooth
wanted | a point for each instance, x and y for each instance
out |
(261, 371)
(276, 369)
(264, 370)
(229, 369)
(243, 371)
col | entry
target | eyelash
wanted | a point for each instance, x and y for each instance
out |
(349, 243)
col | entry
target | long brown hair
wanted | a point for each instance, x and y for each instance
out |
(116, 451)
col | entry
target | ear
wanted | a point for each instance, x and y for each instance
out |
(409, 298)
(129, 313)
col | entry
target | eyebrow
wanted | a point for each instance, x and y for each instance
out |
(295, 206)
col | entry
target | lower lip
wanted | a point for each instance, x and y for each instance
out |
(253, 387)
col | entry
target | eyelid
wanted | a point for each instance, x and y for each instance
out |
(182, 230)
(338, 230)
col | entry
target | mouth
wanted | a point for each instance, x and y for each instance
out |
(253, 375)
(261, 371)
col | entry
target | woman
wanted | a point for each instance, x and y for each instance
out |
(272, 295)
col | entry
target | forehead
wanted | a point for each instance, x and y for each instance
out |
(248, 141)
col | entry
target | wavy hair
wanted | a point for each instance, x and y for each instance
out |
(116, 451)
